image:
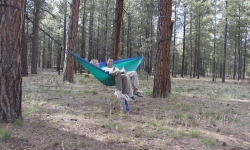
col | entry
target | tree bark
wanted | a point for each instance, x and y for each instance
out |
(34, 58)
(129, 36)
(11, 29)
(184, 41)
(24, 53)
(116, 29)
(162, 82)
(83, 51)
(225, 51)
(72, 34)
(91, 26)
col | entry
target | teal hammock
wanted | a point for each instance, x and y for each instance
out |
(130, 64)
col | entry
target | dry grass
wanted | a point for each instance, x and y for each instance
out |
(199, 114)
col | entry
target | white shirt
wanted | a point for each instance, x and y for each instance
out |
(110, 70)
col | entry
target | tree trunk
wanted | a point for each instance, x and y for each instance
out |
(225, 50)
(90, 53)
(105, 35)
(162, 82)
(183, 48)
(239, 47)
(214, 48)
(129, 36)
(191, 47)
(11, 29)
(116, 29)
(34, 58)
(24, 53)
(173, 57)
(198, 48)
(244, 57)
(71, 46)
(64, 34)
(83, 52)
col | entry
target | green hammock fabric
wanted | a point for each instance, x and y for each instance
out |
(130, 64)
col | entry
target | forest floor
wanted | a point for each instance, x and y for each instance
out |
(86, 115)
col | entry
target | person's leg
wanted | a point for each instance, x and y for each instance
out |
(118, 81)
(134, 79)
(135, 82)
(126, 87)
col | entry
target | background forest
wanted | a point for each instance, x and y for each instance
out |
(209, 42)
(210, 37)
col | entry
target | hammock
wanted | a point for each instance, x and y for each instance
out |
(130, 64)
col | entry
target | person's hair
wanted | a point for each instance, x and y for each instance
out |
(110, 58)
(93, 61)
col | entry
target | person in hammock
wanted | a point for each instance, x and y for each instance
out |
(122, 82)
(130, 75)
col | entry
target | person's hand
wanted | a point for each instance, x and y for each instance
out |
(123, 70)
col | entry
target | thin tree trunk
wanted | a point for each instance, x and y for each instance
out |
(129, 36)
(244, 57)
(191, 47)
(225, 50)
(91, 50)
(183, 48)
(34, 58)
(173, 57)
(198, 48)
(24, 53)
(83, 46)
(64, 34)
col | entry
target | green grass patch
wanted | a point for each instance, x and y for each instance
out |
(207, 114)
(227, 130)
(185, 107)
(149, 93)
(94, 92)
(4, 134)
(194, 89)
(194, 133)
(19, 122)
(208, 141)
(34, 109)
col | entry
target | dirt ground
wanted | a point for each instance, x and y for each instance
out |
(86, 115)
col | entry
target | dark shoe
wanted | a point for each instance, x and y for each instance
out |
(132, 99)
(138, 94)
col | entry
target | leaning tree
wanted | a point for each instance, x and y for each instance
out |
(11, 33)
